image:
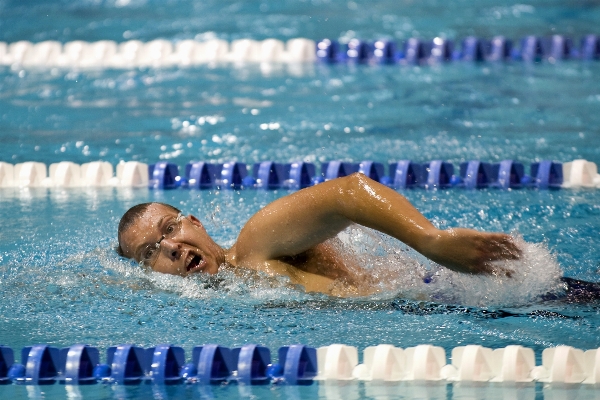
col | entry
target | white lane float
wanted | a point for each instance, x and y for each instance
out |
(132, 174)
(30, 174)
(127, 54)
(336, 362)
(580, 174)
(64, 174)
(562, 364)
(513, 364)
(384, 362)
(272, 50)
(425, 363)
(42, 54)
(16, 52)
(72, 53)
(300, 50)
(156, 53)
(244, 50)
(96, 174)
(7, 174)
(591, 360)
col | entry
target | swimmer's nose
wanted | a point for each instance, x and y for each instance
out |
(170, 249)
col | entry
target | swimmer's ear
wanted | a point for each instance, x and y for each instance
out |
(195, 221)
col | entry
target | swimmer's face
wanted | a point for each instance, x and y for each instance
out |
(189, 250)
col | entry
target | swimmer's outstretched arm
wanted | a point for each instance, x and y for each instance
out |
(296, 223)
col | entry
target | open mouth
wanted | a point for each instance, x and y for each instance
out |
(194, 264)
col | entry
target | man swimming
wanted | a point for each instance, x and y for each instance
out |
(289, 237)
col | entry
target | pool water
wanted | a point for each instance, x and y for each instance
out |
(63, 284)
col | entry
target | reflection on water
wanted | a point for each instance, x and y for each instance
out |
(325, 391)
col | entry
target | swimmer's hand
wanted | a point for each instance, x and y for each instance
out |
(472, 252)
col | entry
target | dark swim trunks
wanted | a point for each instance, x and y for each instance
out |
(576, 291)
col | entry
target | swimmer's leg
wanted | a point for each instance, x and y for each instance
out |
(578, 291)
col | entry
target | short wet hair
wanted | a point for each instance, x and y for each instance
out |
(131, 216)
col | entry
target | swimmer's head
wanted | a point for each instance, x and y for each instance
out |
(157, 236)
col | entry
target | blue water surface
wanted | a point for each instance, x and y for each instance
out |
(62, 283)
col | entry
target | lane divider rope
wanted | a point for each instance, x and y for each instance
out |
(297, 364)
(162, 53)
(270, 175)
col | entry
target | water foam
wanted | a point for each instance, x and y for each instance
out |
(228, 283)
(400, 271)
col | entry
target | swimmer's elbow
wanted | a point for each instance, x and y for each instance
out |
(353, 185)
(357, 180)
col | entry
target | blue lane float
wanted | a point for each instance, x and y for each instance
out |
(298, 364)
(510, 174)
(163, 175)
(590, 48)
(128, 364)
(499, 49)
(476, 174)
(166, 362)
(202, 175)
(442, 50)
(79, 362)
(269, 175)
(373, 170)
(214, 363)
(439, 174)
(385, 52)
(300, 176)
(40, 366)
(252, 363)
(328, 51)
(337, 169)
(547, 175)
(531, 49)
(415, 51)
(473, 49)
(558, 47)
(359, 51)
(7, 359)
(406, 174)
(232, 176)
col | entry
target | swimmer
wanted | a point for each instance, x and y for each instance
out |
(289, 237)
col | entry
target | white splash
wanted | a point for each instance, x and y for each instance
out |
(401, 272)
(228, 283)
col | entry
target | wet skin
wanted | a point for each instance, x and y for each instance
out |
(177, 255)
(287, 237)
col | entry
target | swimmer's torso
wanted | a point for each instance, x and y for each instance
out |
(321, 260)
(319, 269)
